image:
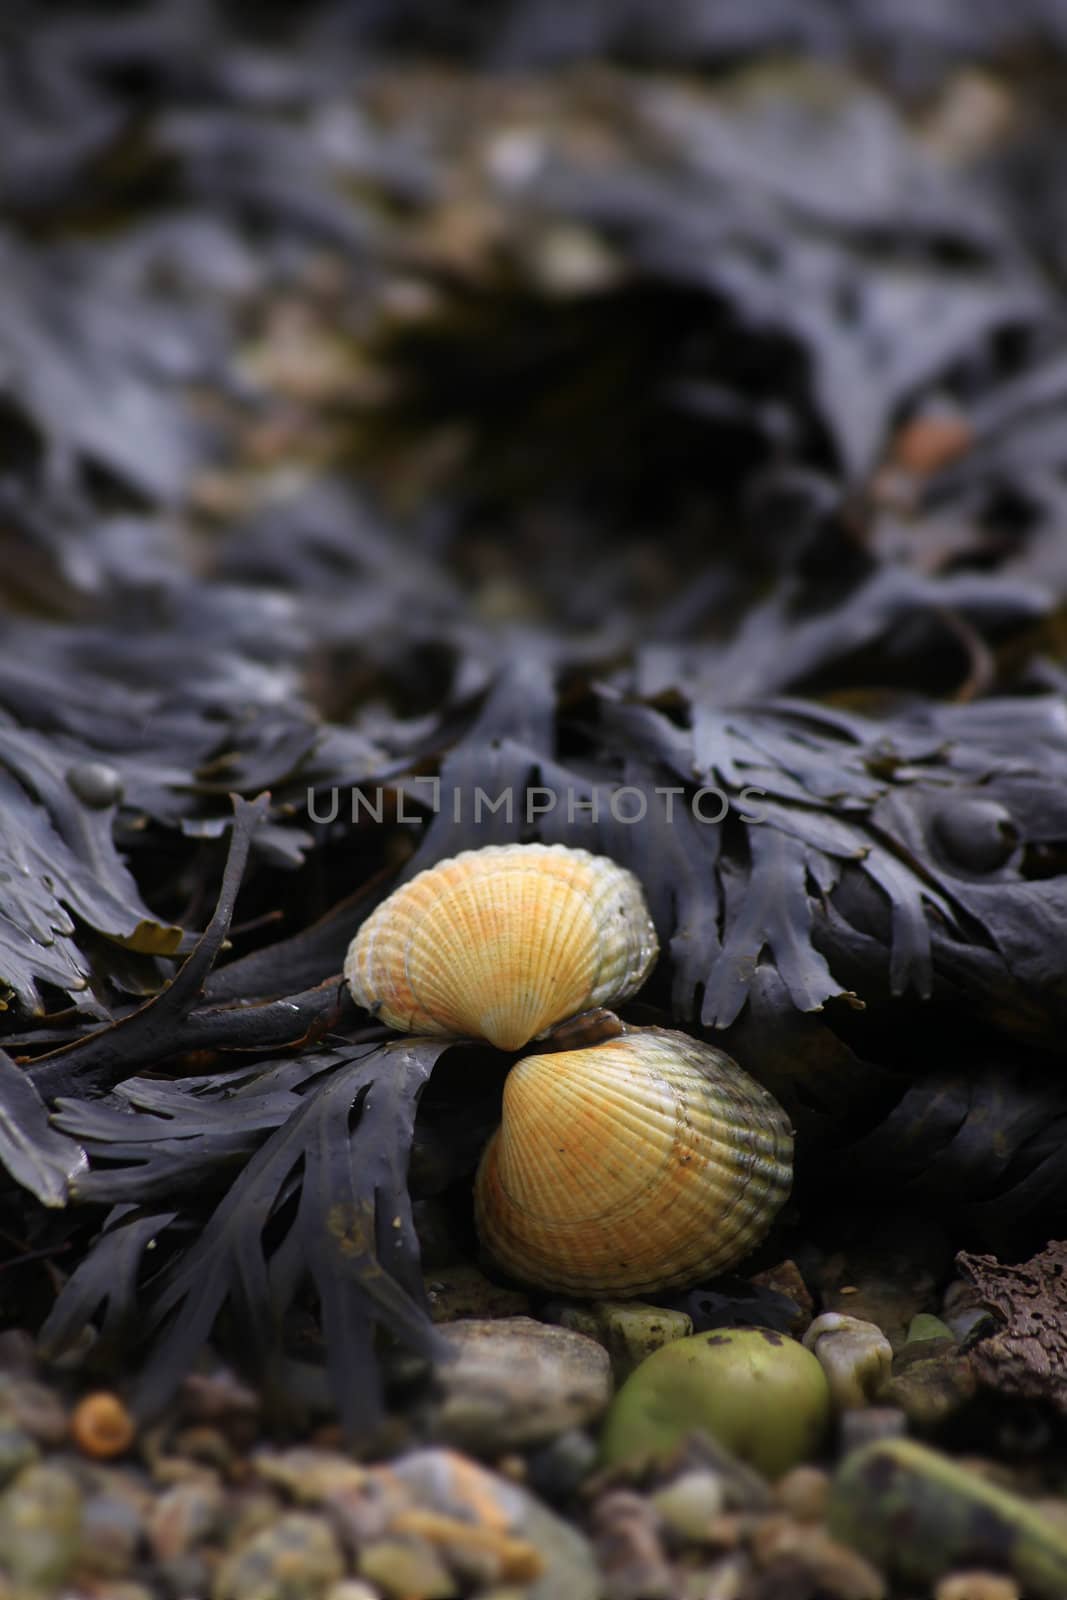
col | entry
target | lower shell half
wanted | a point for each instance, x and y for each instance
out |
(648, 1162)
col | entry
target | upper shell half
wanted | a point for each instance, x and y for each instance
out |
(648, 1162)
(502, 943)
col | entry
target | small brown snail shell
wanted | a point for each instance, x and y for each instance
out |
(647, 1162)
(501, 943)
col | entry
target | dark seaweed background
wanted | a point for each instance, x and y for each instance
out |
(542, 394)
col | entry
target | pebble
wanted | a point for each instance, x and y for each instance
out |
(463, 1492)
(17, 1450)
(786, 1279)
(687, 1504)
(311, 1476)
(517, 1383)
(34, 1409)
(351, 1589)
(629, 1330)
(298, 1558)
(558, 1467)
(926, 1326)
(407, 1569)
(977, 1586)
(804, 1493)
(727, 1579)
(798, 1558)
(110, 1533)
(855, 1355)
(932, 1380)
(40, 1526)
(184, 1516)
(626, 1535)
(743, 1488)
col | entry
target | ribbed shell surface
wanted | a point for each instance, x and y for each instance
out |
(501, 943)
(647, 1162)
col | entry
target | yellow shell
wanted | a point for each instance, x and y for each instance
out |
(648, 1162)
(501, 943)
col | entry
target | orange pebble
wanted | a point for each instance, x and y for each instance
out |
(101, 1426)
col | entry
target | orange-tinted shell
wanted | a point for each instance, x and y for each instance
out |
(648, 1162)
(101, 1426)
(501, 943)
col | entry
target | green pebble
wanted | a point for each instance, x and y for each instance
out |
(925, 1326)
(759, 1393)
(629, 1330)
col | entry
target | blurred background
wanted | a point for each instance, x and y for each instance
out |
(596, 322)
(505, 392)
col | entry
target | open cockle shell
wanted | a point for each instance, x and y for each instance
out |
(647, 1162)
(501, 943)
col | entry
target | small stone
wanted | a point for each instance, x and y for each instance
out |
(925, 1326)
(687, 1505)
(460, 1490)
(110, 1533)
(558, 1467)
(801, 1559)
(729, 1578)
(630, 1553)
(932, 1380)
(190, 1574)
(40, 1526)
(351, 1589)
(407, 1569)
(479, 1553)
(184, 1516)
(35, 1409)
(977, 1586)
(743, 1488)
(516, 1383)
(804, 1493)
(17, 1450)
(298, 1558)
(855, 1355)
(629, 1330)
(786, 1279)
(311, 1476)
(253, 1511)
(207, 1446)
